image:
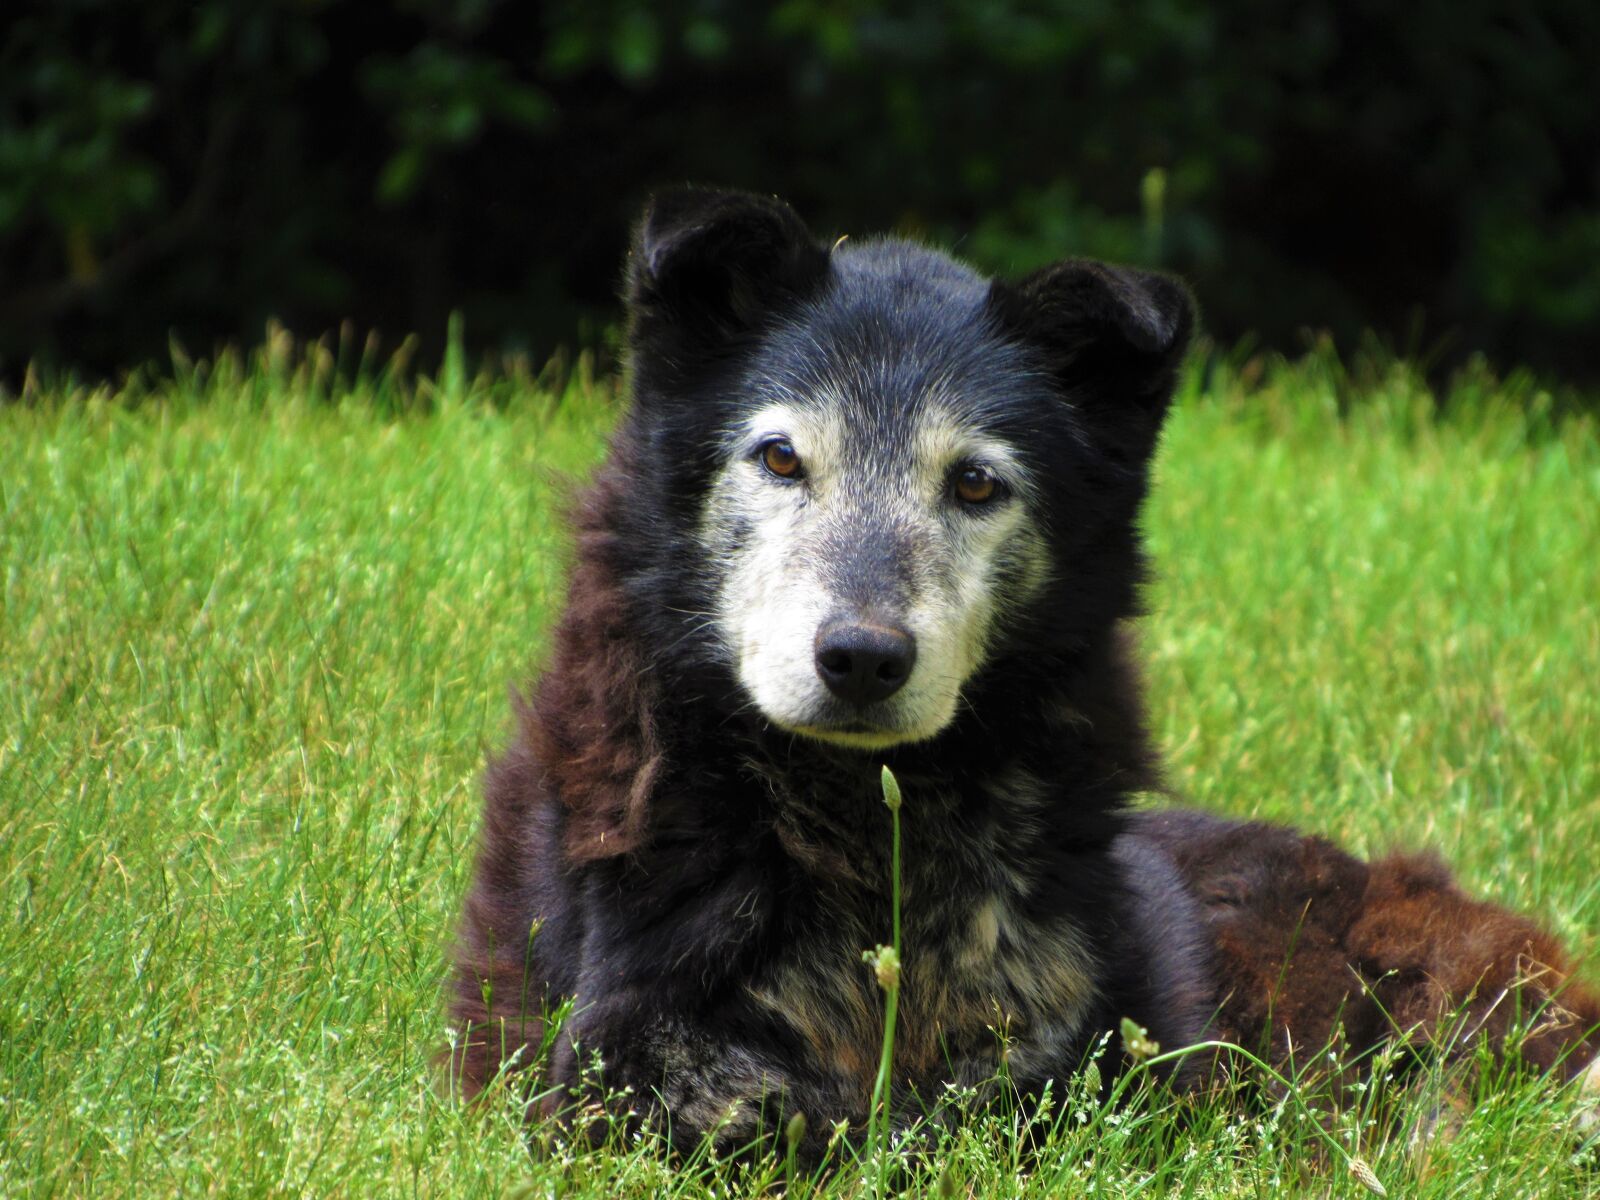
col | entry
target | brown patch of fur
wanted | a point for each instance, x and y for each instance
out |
(841, 1025)
(591, 726)
(587, 737)
(1311, 942)
(1440, 956)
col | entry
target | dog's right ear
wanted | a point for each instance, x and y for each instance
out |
(709, 266)
(1112, 337)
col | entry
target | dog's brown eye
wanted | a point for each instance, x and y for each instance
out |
(779, 457)
(976, 485)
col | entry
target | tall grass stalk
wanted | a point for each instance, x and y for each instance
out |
(885, 963)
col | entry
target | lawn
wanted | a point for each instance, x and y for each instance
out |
(257, 624)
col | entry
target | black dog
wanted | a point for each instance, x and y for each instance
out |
(867, 507)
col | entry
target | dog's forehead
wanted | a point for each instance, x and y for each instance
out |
(902, 336)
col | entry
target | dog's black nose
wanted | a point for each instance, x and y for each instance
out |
(864, 663)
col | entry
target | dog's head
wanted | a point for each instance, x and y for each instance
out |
(891, 471)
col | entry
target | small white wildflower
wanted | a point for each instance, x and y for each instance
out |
(1137, 1042)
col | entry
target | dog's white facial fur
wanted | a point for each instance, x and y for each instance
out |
(786, 553)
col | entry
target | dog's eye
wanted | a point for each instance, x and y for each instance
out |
(976, 484)
(778, 457)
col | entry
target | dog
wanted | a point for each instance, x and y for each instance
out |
(867, 507)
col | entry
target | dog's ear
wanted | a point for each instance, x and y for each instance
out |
(1112, 337)
(709, 266)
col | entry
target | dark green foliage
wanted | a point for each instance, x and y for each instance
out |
(193, 168)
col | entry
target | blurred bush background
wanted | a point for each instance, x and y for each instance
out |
(1428, 170)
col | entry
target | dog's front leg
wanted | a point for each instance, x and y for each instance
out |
(625, 1065)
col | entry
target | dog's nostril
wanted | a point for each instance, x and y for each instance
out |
(835, 662)
(864, 663)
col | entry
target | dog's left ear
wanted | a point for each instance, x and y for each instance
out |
(1112, 338)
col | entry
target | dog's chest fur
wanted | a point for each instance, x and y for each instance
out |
(987, 970)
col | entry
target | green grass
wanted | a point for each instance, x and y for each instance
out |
(256, 629)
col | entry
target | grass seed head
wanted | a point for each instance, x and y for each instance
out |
(891, 790)
(794, 1131)
(1367, 1177)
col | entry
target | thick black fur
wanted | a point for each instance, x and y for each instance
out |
(655, 851)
